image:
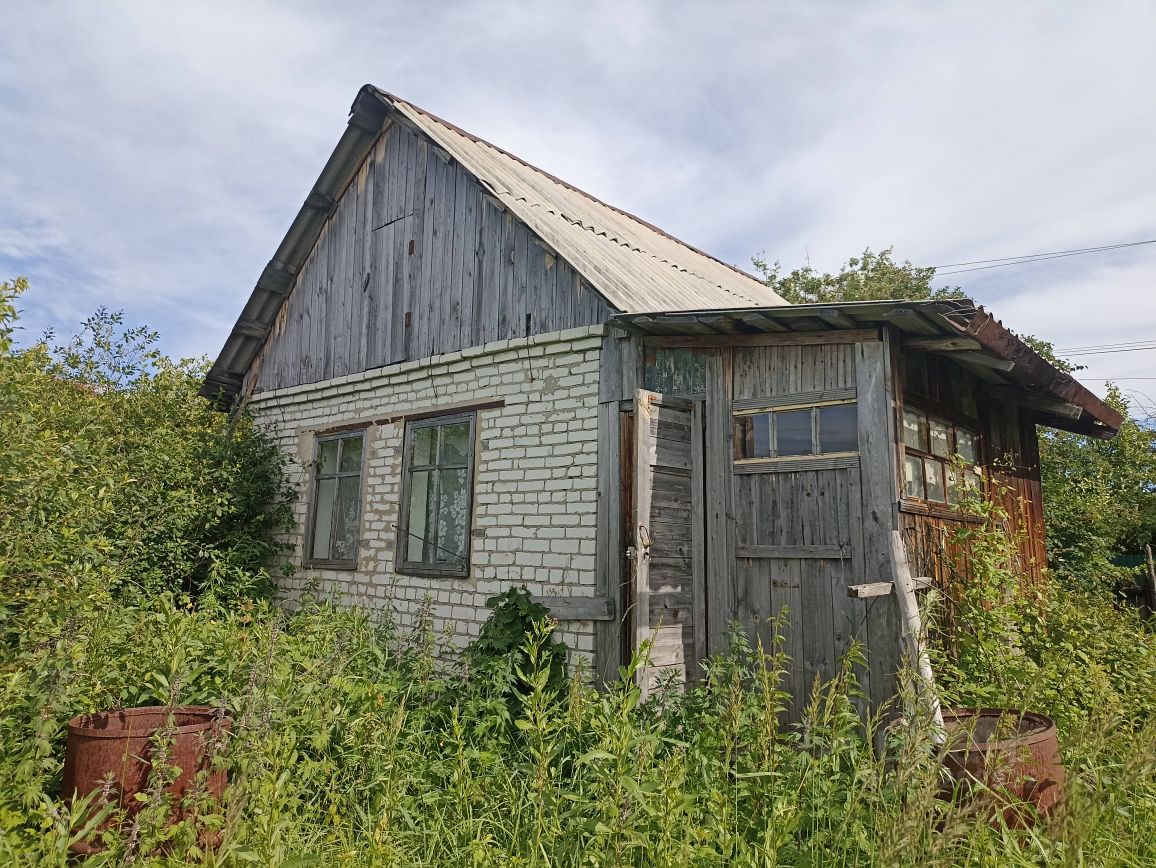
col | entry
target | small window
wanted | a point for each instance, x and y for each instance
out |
(336, 517)
(797, 431)
(932, 446)
(437, 496)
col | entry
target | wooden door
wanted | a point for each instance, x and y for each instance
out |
(667, 586)
(798, 505)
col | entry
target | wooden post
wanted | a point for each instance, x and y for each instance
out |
(912, 629)
(1150, 592)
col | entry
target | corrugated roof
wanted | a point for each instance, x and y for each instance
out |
(635, 265)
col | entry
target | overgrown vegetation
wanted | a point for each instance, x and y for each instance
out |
(356, 744)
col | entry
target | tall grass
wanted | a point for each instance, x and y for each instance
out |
(355, 745)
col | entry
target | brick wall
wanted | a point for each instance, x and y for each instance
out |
(535, 493)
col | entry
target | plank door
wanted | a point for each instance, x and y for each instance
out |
(798, 506)
(667, 538)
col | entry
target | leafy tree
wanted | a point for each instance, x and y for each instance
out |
(116, 477)
(869, 277)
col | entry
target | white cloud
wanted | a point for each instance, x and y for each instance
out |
(154, 154)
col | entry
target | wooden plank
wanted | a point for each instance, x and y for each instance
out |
(698, 544)
(983, 360)
(831, 552)
(720, 561)
(819, 396)
(879, 493)
(872, 589)
(599, 608)
(852, 336)
(941, 344)
(792, 464)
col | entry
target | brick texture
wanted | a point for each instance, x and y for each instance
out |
(535, 492)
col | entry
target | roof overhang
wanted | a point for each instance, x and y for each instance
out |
(223, 382)
(969, 334)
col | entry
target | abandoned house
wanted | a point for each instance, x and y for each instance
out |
(486, 378)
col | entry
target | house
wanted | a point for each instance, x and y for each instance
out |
(487, 378)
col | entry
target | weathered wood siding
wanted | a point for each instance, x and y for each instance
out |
(416, 260)
(1009, 462)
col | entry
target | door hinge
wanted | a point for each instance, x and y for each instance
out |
(631, 553)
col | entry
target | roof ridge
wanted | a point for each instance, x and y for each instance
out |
(393, 98)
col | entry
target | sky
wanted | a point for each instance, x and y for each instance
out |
(152, 155)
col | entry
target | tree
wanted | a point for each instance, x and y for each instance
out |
(869, 277)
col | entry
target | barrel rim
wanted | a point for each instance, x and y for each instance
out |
(1047, 730)
(214, 715)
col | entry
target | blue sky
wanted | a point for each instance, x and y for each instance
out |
(153, 154)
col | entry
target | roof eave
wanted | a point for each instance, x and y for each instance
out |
(224, 380)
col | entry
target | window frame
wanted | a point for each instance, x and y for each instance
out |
(954, 424)
(310, 534)
(815, 409)
(402, 564)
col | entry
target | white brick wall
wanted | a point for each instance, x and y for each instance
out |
(535, 493)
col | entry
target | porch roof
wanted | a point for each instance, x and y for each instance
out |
(971, 336)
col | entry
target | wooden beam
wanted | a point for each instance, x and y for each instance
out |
(874, 589)
(578, 608)
(984, 360)
(790, 339)
(1033, 401)
(941, 345)
(763, 323)
(827, 552)
(837, 319)
(910, 321)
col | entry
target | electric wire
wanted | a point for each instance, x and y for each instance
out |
(1023, 259)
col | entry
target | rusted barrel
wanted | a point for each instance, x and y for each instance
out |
(1015, 754)
(114, 751)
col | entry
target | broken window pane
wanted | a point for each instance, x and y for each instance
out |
(793, 432)
(753, 436)
(915, 430)
(913, 471)
(933, 479)
(940, 437)
(838, 428)
(965, 446)
(351, 455)
(954, 486)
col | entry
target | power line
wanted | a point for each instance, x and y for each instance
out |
(1117, 350)
(1003, 262)
(1111, 345)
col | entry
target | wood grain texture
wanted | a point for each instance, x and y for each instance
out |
(413, 261)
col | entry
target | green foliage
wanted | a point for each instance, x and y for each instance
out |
(501, 650)
(870, 277)
(116, 477)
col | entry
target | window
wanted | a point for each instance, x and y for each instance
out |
(437, 489)
(796, 431)
(336, 499)
(933, 446)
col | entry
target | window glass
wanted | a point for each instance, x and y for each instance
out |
(350, 455)
(327, 457)
(965, 446)
(439, 474)
(954, 485)
(915, 430)
(933, 480)
(838, 428)
(753, 436)
(425, 446)
(323, 519)
(455, 443)
(940, 437)
(337, 499)
(793, 432)
(913, 472)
